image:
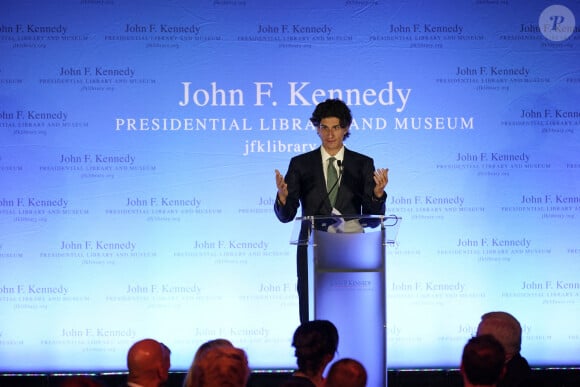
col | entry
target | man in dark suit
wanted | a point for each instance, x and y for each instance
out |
(508, 331)
(357, 188)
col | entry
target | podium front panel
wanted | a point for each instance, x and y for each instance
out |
(349, 289)
(353, 302)
(344, 251)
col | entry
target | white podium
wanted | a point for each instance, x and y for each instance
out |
(347, 282)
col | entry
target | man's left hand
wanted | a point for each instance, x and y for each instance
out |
(381, 178)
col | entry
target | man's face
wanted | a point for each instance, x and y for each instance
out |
(332, 134)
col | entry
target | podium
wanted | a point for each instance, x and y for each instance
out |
(347, 282)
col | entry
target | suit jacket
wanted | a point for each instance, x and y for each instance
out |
(307, 187)
(518, 373)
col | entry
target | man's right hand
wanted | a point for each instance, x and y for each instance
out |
(282, 188)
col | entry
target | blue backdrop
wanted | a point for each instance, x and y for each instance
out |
(138, 142)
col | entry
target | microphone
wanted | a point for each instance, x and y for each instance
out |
(334, 186)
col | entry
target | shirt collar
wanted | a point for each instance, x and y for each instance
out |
(338, 156)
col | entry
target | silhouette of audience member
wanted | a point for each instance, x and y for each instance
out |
(148, 362)
(508, 331)
(200, 351)
(315, 344)
(482, 362)
(81, 381)
(297, 381)
(220, 366)
(346, 373)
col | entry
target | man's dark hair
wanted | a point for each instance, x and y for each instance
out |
(313, 340)
(332, 108)
(483, 360)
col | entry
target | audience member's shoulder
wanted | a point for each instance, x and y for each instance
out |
(81, 381)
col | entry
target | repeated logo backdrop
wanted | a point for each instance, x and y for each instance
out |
(138, 143)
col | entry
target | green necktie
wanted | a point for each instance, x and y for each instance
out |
(331, 181)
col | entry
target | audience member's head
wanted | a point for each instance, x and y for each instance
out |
(187, 382)
(148, 362)
(211, 344)
(315, 344)
(220, 366)
(505, 328)
(482, 362)
(346, 373)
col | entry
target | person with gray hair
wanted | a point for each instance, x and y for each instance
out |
(220, 365)
(201, 350)
(508, 331)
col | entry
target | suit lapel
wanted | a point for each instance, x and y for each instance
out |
(319, 177)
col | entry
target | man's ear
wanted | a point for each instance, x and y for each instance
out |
(346, 132)
(328, 358)
(162, 372)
